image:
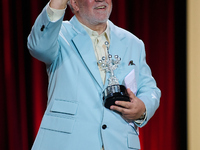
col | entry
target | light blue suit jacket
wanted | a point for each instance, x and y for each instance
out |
(75, 113)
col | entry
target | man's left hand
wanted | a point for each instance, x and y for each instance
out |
(132, 110)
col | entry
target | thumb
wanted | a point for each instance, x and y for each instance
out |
(130, 93)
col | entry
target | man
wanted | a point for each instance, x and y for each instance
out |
(75, 118)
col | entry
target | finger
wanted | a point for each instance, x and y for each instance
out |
(124, 104)
(131, 95)
(130, 92)
(119, 109)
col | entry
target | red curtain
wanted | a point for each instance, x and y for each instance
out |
(23, 79)
(154, 24)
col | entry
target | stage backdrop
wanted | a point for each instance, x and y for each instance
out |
(23, 79)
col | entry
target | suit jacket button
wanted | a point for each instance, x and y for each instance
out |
(104, 126)
(42, 28)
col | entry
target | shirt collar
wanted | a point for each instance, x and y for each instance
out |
(91, 32)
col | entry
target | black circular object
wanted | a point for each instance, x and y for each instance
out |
(118, 96)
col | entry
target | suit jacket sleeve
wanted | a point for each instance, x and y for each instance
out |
(42, 41)
(148, 91)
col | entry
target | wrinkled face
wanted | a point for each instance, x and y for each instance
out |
(94, 11)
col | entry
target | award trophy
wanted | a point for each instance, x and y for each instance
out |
(114, 91)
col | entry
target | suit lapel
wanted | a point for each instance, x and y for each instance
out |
(116, 48)
(84, 46)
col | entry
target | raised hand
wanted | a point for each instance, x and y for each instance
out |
(58, 4)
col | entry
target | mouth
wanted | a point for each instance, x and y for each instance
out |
(100, 7)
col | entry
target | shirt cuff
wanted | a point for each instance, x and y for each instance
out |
(55, 14)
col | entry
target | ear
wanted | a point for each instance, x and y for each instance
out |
(75, 5)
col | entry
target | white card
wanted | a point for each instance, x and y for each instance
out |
(130, 82)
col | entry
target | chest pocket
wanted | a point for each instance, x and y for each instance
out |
(122, 72)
